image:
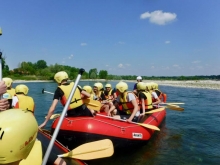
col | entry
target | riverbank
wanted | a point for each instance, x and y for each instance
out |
(206, 84)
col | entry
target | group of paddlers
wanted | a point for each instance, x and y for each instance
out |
(118, 102)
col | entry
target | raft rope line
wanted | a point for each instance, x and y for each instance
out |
(153, 118)
(104, 122)
(56, 141)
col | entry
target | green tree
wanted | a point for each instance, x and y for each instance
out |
(103, 74)
(41, 64)
(93, 73)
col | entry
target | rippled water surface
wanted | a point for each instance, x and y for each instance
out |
(191, 137)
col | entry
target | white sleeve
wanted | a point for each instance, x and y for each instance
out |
(131, 97)
(154, 95)
(14, 100)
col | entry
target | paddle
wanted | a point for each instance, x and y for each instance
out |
(174, 107)
(155, 110)
(172, 103)
(91, 104)
(46, 156)
(141, 124)
(0, 69)
(92, 150)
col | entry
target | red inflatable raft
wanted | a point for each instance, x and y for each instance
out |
(75, 131)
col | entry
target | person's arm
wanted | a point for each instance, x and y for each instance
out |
(85, 94)
(50, 113)
(143, 106)
(135, 104)
(156, 98)
(3, 88)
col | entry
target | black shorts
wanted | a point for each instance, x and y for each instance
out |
(124, 116)
(80, 111)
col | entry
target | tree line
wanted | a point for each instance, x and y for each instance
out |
(41, 71)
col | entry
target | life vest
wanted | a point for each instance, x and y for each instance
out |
(127, 106)
(162, 96)
(76, 99)
(11, 92)
(147, 102)
(109, 96)
(25, 103)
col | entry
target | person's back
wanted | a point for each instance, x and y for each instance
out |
(21, 100)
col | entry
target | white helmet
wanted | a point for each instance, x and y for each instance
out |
(139, 78)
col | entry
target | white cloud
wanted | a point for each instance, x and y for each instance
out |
(152, 67)
(159, 17)
(175, 65)
(83, 44)
(167, 42)
(71, 56)
(120, 65)
(196, 62)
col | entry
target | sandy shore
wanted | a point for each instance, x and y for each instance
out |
(206, 84)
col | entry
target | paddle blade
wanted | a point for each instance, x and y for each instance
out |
(92, 150)
(172, 103)
(176, 108)
(54, 116)
(92, 104)
(155, 110)
(149, 126)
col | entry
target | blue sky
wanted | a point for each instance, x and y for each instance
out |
(124, 37)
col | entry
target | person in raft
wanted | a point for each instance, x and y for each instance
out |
(110, 94)
(21, 100)
(155, 99)
(139, 79)
(128, 100)
(145, 98)
(16, 151)
(76, 107)
(162, 96)
(11, 91)
(4, 103)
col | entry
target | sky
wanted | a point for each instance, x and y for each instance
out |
(124, 37)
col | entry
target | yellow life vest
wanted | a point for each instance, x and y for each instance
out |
(11, 91)
(148, 101)
(25, 102)
(127, 106)
(76, 100)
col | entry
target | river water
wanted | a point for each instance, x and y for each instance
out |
(191, 137)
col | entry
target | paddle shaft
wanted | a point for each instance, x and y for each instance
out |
(0, 69)
(56, 131)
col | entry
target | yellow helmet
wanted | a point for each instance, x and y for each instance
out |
(60, 76)
(108, 86)
(155, 86)
(122, 86)
(148, 86)
(141, 86)
(98, 85)
(8, 81)
(21, 89)
(88, 88)
(18, 131)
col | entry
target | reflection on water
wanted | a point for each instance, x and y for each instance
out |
(191, 137)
